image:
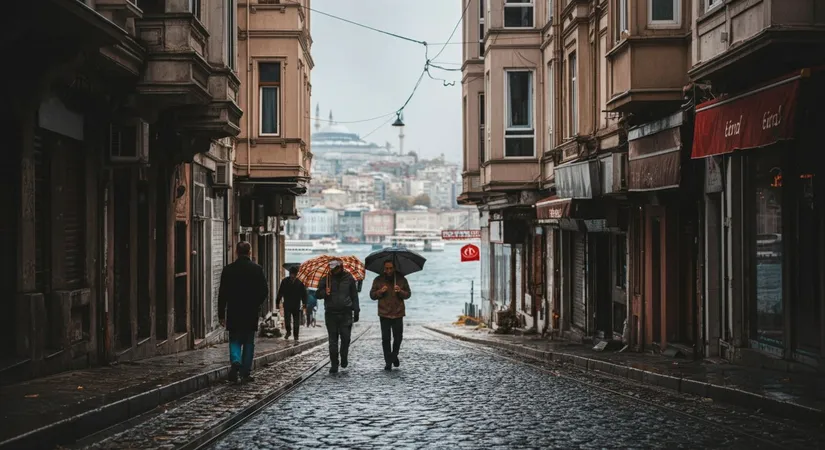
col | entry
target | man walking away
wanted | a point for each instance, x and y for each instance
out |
(294, 294)
(243, 290)
(391, 289)
(341, 309)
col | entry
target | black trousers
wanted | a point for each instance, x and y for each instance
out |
(339, 326)
(396, 328)
(292, 318)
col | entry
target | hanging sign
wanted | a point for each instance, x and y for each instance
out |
(470, 253)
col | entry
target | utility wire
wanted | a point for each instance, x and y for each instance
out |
(351, 121)
(458, 24)
(376, 129)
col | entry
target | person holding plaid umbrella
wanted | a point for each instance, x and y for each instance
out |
(339, 291)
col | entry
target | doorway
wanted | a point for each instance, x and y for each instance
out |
(122, 259)
(655, 270)
(198, 271)
(181, 277)
(602, 284)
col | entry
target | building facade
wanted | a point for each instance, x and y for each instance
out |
(378, 226)
(617, 200)
(127, 101)
(273, 158)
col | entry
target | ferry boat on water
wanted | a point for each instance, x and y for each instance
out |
(312, 246)
(417, 241)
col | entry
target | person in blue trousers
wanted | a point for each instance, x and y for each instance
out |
(242, 292)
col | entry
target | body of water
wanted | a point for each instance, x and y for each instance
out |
(438, 292)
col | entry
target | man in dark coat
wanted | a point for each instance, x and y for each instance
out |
(294, 294)
(243, 290)
(391, 289)
(341, 310)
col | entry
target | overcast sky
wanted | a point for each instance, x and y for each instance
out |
(360, 74)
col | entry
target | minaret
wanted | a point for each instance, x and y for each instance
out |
(331, 122)
(317, 117)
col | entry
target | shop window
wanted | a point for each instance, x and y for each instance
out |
(766, 240)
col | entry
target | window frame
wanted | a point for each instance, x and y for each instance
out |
(550, 11)
(262, 85)
(531, 5)
(676, 22)
(622, 18)
(531, 110)
(231, 33)
(710, 5)
(196, 8)
(482, 29)
(573, 95)
(482, 128)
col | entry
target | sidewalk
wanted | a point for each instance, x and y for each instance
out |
(799, 395)
(73, 404)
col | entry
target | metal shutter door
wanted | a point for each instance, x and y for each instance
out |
(578, 303)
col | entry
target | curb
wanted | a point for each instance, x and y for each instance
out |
(684, 385)
(89, 422)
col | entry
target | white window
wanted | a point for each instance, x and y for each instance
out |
(664, 13)
(195, 8)
(550, 11)
(518, 14)
(622, 24)
(482, 157)
(710, 4)
(551, 105)
(520, 134)
(231, 31)
(574, 95)
(269, 84)
(481, 11)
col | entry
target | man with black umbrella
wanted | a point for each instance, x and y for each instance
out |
(341, 309)
(391, 289)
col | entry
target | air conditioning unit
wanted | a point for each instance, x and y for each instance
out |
(129, 142)
(222, 177)
(619, 172)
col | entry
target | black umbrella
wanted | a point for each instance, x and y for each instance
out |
(405, 261)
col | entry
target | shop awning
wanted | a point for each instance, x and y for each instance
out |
(555, 208)
(753, 119)
(578, 179)
(654, 155)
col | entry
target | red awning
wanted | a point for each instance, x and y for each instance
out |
(757, 118)
(553, 208)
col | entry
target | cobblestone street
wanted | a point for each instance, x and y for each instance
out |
(451, 395)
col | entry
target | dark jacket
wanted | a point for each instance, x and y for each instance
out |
(243, 290)
(390, 303)
(343, 296)
(293, 293)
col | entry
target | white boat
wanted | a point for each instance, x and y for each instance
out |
(416, 240)
(311, 246)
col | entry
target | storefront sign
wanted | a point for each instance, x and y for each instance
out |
(553, 208)
(470, 253)
(453, 235)
(755, 119)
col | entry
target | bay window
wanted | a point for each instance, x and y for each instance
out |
(622, 24)
(269, 85)
(518, 14)
(481, 10)
(663, 12)
(520, 134)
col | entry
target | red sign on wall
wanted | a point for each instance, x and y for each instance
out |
(754, 119)
(470, 253)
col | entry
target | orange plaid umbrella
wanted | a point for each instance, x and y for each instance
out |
(312, 270)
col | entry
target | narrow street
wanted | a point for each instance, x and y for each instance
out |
(451, 395)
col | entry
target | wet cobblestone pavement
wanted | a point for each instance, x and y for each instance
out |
(452, 395)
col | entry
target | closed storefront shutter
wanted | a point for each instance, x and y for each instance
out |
(42, 187)
(74, 215)
(578, 303)
(218, 252)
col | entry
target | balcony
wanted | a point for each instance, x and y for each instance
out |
(288, 162)
(639, 85)
(510, 175)
(471, 192)
(176, 72)
(742, 34)
(222, 116)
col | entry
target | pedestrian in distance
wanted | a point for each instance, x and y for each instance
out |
(341, 309)
(391, 289)
(294, 294)
(312, 304)
(242, 292)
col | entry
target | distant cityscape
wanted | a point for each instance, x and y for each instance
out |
(362, 192)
